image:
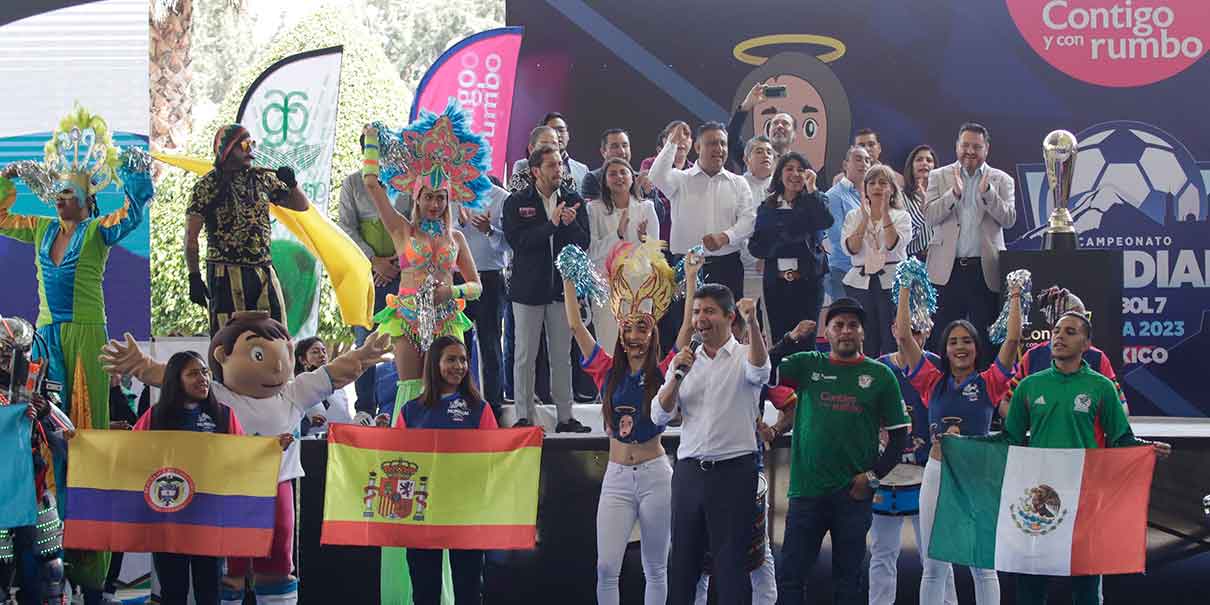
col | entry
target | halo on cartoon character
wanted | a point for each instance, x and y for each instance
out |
(815, 98)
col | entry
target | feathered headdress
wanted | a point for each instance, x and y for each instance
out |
(440, 151)
(81, 157)
(640, 280)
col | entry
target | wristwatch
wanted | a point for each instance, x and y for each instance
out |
(872, 479)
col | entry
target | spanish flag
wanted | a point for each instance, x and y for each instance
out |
(432, 488)
(171, 491)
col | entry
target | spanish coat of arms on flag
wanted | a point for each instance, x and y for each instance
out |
(432, 488)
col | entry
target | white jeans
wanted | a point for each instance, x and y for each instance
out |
(932, 581)
(528, 322)
(628, 493)
(764, 583)
(886, 540)
(764, 578)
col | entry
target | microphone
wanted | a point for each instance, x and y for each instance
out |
(683, 369)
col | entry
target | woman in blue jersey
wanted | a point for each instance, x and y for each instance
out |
(897, 498)
(186, 403)
(448, 401)
(959, 399)
(638, 479)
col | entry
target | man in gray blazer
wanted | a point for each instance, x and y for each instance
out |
(969, 205)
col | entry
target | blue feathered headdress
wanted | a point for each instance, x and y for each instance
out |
(440, 151)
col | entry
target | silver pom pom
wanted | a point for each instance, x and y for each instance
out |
(1017, 279)
(39, 180)
(426, 312)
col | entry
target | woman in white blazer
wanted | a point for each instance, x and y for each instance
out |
(875, 236)
(618, 216)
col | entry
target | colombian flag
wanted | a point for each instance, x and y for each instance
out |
(432, 488)
(171, 491)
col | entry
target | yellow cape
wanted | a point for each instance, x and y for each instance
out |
(347, 266)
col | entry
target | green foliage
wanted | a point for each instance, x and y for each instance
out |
(369, 90)
(219, 39)
(415, 32)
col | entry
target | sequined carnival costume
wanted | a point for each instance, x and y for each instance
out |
(80, 161)
(437, 151)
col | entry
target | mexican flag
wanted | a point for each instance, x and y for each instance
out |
(1055, 512)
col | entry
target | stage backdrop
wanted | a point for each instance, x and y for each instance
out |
(1129, 79)
(290, 110)
(96, 54)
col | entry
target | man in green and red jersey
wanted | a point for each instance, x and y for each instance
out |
(1068, 406)
(844, 399)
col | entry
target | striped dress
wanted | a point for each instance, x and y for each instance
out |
(921, 232)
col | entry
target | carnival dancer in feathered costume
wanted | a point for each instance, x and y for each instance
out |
(70, 256)
(436, 160)
(638, 483)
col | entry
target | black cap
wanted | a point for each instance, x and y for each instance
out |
(845, 305)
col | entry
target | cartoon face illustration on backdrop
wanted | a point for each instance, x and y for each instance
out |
(815, 100)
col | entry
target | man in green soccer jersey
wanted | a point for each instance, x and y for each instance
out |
(843, 400)
(1068, 406)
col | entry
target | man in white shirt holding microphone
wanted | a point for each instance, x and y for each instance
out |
(715, 475)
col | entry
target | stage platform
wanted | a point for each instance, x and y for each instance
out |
(563, 566)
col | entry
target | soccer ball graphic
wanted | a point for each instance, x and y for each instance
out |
(1130, 163)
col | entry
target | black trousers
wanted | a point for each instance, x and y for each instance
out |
(488, 314)
(727, 270)
(174, 573)
(235, 288)
(790, 302)
(466, 567)
(879, 313)
(712, 509)
(115, 572)
(966, 297)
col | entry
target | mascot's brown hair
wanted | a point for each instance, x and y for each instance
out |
(257, 322)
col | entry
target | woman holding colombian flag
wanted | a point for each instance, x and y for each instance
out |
(959, 400)
(638, 480)
(448, 401)
(186, 403)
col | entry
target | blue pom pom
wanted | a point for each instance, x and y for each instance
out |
(573, 263)
(922, 300)
(680, 273)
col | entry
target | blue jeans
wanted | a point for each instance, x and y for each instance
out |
(364, 386)
(807, 520)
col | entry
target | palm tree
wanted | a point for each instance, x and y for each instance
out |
(171, 99)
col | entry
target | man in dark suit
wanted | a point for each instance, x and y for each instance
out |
(538, 222)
